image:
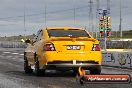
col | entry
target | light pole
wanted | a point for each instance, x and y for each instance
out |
(45, 14)
(105, 30)
(120, 25)
(74, 13)
(24, 19)
(97, 16)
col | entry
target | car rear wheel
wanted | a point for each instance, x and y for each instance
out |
(37, 70)
(27, 68)
(36, 63)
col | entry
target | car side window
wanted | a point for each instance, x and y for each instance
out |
(40, 35)
(36, 37)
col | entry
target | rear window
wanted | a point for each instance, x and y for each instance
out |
(68, 33)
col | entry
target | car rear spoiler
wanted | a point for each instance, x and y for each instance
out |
(72, 39)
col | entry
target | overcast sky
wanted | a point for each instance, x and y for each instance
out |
(59, 13)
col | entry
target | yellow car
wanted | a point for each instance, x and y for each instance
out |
(63, 49)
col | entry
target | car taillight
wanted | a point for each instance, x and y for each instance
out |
(49, 47)
(96, 47)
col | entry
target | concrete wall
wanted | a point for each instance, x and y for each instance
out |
(119, 59)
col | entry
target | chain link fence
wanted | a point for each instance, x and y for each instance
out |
(9, 44)
(110, 44)
(116, 44)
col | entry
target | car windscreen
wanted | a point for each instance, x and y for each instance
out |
(68, 33)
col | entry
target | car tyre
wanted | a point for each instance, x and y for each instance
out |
(36, 69)
(27, 68)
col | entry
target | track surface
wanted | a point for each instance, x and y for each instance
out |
(12, 75)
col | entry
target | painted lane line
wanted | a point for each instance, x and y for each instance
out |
(21, 54)
(6, 52)
(15, 53)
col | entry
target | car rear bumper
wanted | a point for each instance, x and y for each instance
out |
(67, 57)
(72, 66)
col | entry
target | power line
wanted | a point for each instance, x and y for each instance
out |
(8, 24)
(51, 12)
(77, 15)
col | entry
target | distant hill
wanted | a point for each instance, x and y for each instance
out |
(15, 38)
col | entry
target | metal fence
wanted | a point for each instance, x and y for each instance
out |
(117, 44)
(9, 44)
(110, 44)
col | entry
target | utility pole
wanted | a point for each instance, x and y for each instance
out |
(120, 25)
(45, 15)
(24, 19)
(91, 27)
(74, 13)
(105, 31)
(97, 16)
